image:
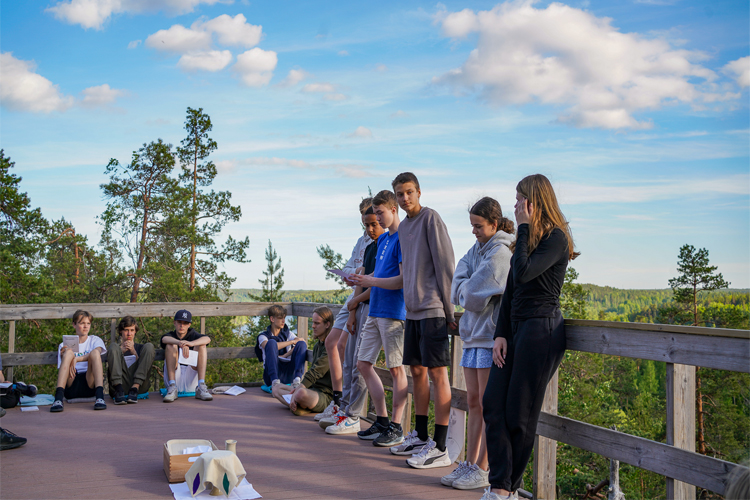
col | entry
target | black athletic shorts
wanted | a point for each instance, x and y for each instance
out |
(79, 388)
(426, 342)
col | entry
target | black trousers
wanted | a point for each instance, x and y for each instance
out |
(513, 398)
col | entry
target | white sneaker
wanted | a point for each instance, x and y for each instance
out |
(274, 382)
(296, 382)
(458, 472)
(202, 392)
(171, 394)
(328, 421)
(344, 425)
(430, 457)
(409, 446)
(473, 479)
(326, 413)
(488, 495)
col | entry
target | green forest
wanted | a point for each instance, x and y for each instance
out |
(159, 244)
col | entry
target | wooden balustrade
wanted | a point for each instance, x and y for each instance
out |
(682, 348)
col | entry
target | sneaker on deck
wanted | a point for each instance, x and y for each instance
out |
(390, 437)
(458, 472)
(488, 495)
(411, 445)
(429, 457)
(326, 413)
(100, 404)
(29, 390)
(57, 406)
(171, 394)
(120, 398)
(473, 479)
(296, 382)
(132, 396)
(8, 440)
(372, 433)
(344, 425)
(202, 393)
(325, 422)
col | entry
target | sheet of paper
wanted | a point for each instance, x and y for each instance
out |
(243, 491)
(196, 449)
(130, 359)
(235, 390)
(339, 273)
(71, 341)
(29, 408)
(288, 398)
(191, 360)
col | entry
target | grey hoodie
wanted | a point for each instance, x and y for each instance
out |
(478, 285)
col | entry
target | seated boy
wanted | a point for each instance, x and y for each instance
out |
(283, 355)
(315, 392)
(184, 338)
(80, 374)
(128, 363)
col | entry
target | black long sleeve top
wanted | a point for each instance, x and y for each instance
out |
(535, 280)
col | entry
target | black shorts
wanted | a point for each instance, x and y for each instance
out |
(426, 342)
(79, 388)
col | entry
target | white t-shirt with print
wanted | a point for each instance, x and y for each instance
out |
(92, 342)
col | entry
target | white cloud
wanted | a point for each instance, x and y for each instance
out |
(294, 77)
(94, 13)
(343, 52)
(256, 66)
(344, 169)
(381, 68)
(565, 56)
(740, 71)
(100, 95)
(234, 31)
(319, 87)
(209, 60)
(399, 114)
(361, 132)
(180, 39)
(134, 44)
(335, 97)
(21, 89)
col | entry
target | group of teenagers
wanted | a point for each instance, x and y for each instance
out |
(406, 285)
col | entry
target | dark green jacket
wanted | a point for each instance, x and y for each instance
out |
(318, 375)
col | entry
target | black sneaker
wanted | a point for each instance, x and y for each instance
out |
(120, 398)
(8, 440)
(27, 390)
(373, 432)
(390, 437)
(132, 396)
(57, 406)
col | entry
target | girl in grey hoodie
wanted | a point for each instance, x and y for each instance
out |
(478, 286)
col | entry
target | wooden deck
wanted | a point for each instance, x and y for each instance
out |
(117, 453)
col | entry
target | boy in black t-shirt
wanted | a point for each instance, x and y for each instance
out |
(184, 338)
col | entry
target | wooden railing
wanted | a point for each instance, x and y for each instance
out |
(680, 347)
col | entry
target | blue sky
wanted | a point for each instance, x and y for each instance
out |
(636, 111)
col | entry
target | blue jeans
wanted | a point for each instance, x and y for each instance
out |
(285, 371)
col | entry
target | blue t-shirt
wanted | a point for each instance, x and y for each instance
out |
(387, 303)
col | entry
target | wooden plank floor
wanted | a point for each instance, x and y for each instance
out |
(117, 453)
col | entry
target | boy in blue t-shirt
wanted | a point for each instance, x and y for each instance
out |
(385, 326)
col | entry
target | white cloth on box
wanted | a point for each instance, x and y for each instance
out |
(92, 342)
(219, 468)
(185, 377)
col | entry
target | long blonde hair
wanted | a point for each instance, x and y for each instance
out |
(546, 214)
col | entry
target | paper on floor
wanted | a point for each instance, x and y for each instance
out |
(235, 390)
(29, 408)
(244, 491)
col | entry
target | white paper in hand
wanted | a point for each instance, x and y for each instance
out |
(339, 273)
(191, 360)
(288, 398)
(71, 342)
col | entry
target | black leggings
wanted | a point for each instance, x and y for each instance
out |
(513, 398)
(11, 399)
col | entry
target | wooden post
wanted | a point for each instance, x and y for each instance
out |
(11, 345)
(113, 330)
(680, 421)
(302, 327)
(203, 325)
(458, 381)
(545, 451)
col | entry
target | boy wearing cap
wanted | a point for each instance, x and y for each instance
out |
(184, 338)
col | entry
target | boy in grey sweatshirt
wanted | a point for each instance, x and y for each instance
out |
(428, 263)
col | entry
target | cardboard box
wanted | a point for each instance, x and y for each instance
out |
(176, 464)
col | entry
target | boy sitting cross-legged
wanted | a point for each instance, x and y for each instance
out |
(80, 374)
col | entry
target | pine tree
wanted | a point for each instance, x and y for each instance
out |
(273, 282)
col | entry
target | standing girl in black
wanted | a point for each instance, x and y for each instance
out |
(530, 335)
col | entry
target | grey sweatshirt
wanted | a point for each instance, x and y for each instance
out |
(478, 285)
(428, 262)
